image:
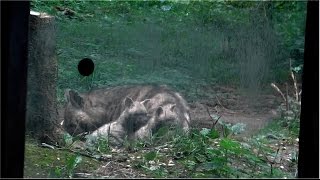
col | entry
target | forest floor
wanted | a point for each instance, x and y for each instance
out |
(233, 107)
(226, 103)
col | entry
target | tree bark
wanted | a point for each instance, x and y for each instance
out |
(42, 112)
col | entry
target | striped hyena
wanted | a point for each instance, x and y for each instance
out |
(130, 120)
(86, 112)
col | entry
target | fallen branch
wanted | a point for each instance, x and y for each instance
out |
(162, 146)
(100, 158)
(82, 175)
(47, 145)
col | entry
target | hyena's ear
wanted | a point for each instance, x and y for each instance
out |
(74, 98)
(67, 95)
(172, 107)
(145, 102)
(128, 102)
(159, 111)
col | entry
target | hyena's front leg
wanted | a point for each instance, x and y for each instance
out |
(112, 131)
(146, 130)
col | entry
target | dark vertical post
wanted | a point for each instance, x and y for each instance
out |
(14, 55)
(42, 112)
(308, 165)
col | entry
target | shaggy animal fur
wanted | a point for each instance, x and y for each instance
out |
(86, 112)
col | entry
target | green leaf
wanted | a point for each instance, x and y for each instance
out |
(216, 163)
(297, 69)
(58, 171)
(215, 117)
(213, 152)
(162, 131)
(231, 145)
(205, 131)
(200, 158)
(67, 139)
(211, 165)
(190, 164)
(213, 134)
(77, 161)
(238, 128)
(150, 155)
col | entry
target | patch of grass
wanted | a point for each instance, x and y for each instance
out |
(277, 129)
(45, 163)
(204, 154)
(173, 154)
(206, 157)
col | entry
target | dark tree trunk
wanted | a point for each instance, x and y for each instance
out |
(42, 78)
(14, 58)
(308, 164)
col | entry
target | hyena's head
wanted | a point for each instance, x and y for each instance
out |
(76, 120)
(135, 114)
(135, 108)
(169, 115)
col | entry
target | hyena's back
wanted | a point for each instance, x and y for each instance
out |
(100, 106)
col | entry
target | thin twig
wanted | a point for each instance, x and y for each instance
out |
(274, 160)
(299, 96)
(294, 81)
(295, 86)
(287, 97)
(277, 89)
(214, 124)
(223, 106)
(109, 129)
(78, 152)
(162, 146)
(83, 175)
(81, 153)
(47, 145)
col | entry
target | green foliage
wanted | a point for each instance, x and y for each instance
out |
(52, 163)
(225, 129)
(110, 33)
(150, 156)
(103, 145)
(68, 139)
(291, 107)
(211, 133)
(201, 153)
(67, 171)
(99, 146)
(72, 163)
(184, 44)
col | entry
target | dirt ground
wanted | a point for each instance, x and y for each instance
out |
(233, 107)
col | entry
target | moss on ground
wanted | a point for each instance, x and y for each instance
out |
(43, 162)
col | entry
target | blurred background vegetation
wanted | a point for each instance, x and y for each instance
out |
(185, 44)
